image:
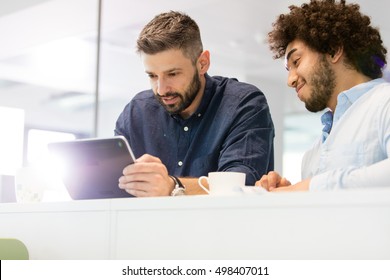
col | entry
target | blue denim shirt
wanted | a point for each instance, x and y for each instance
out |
(232, 130)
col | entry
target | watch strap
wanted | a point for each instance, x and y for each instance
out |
(179, 188)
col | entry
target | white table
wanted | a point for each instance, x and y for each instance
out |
(326, 225)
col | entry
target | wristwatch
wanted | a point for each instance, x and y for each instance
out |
(179, 188)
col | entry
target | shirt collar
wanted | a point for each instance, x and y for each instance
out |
(348, 97)
(344, 101)
(207, 95)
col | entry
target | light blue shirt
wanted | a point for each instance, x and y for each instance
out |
(356, 152)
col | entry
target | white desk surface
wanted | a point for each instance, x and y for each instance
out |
(353, 224)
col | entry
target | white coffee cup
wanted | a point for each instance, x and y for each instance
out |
(30, 184)
(223, 183)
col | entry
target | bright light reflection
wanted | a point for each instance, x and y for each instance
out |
(39, 156)
(11, 140)
(37, 151)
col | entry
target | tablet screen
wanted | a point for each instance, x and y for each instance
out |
(91, 167)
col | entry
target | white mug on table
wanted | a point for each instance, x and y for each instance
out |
(223, 183)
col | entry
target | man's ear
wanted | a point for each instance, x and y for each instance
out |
(337, 55)
(203, 62)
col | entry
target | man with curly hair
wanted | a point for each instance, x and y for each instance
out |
(335, 59)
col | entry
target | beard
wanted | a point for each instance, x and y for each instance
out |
(323, 81)
(186, 98)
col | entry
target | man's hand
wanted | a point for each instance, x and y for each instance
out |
(148, 176)
(273, 182)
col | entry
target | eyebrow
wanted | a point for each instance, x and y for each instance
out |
(288, 57)
(166, 71)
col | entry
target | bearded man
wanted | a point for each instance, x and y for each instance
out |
(189, 123)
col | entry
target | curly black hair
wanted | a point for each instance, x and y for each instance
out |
(326, 26)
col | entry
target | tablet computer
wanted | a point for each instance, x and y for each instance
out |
(90, 168)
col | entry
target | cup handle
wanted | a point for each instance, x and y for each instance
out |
(200, 183)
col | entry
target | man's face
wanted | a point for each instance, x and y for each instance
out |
(174, 79)
(311, 75)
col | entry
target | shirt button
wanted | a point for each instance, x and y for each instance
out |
(185, 128)
(199, 115)
(180, 163)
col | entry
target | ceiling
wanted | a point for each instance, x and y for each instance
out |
(48, 54)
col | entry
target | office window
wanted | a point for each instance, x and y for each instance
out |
(48, 68)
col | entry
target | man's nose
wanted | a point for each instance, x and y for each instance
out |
(162, 86)
(292, 78)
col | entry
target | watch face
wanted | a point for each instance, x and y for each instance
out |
(178, 191)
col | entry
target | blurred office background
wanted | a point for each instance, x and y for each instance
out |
(68, 67)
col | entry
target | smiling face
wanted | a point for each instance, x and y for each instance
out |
(311, 74)
(176, 82)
